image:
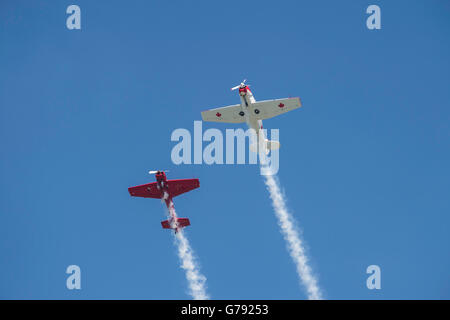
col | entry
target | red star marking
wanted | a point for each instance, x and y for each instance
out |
(281, 105)
(218, 114)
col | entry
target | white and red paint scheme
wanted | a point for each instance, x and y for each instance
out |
(252, 112)
(165, 190)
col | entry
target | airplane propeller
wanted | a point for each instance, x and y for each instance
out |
(239, 86)
(156, 171)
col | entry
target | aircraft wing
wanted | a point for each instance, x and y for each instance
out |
(177, 187)
(271, 108)
(229, 114)
(148, 190)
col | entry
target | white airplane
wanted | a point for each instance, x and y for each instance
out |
(252, 112)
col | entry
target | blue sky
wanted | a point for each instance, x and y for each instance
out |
(364, 164)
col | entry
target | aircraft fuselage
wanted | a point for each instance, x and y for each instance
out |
(247, 99)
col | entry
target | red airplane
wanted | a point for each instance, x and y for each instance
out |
(166, 189)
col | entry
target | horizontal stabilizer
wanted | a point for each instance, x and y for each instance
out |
(270, 145)
(180, 223)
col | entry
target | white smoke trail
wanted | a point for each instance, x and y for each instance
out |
(294, 242)
(287, 226)
(196, 280)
